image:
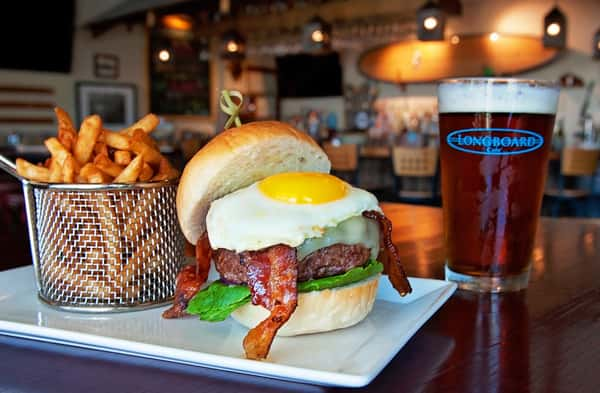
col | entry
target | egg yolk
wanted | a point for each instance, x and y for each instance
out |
(303, 188)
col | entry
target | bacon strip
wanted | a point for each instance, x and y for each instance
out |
(391, 261)
(272, 275)
(190, 279)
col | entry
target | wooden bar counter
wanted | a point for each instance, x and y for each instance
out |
(544, 339)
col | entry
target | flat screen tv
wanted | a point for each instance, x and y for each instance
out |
(309, 75)
(37, 35)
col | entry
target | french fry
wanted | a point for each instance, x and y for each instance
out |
(108, 224)
(91, 174)
(146, 203)
(122, 157)
(147, 123)
(100, 148)
(127, 203)
(73, 259)
(140, 135)
(57, 150)
(165, 171)
(56, 175)
(87, 169)
(106, 165)
(116, 140)
(141, 261)
(66, 132)
(139, 147)
(31, 171)
(69, 169)
(146, 173)
(88, 135)
(99, 178)
(131, 171)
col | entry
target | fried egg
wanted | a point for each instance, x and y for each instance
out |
(286, 208)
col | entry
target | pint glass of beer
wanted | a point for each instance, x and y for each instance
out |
(495, 136)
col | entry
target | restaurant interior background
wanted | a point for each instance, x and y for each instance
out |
(352, 73)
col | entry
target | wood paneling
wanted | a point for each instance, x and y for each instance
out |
(26, 105)
(25, 120)
(26, 89)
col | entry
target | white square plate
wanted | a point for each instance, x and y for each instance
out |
(347, 357)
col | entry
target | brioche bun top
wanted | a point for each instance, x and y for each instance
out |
(235, 159)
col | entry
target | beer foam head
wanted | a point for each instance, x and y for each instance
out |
(478, 95)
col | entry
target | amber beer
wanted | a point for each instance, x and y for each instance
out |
(495, 137)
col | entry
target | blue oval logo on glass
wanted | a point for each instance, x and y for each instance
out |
(494, 141)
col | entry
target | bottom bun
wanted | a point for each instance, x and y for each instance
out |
(319, 311)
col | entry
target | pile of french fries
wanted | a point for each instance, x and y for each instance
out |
(98, 155)
(107, 246)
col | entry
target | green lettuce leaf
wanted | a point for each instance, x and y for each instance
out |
(350, 277)
(215, 302)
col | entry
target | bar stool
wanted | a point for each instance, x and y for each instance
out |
(411, 165)
(579, 164)
(344, 160)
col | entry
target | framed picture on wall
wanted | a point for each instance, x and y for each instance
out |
(106, 65)
(116, 103)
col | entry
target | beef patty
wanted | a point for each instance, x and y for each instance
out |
(325, 262)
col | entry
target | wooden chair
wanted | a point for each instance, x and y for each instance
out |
(578, 166)
(412, 166)
(344, 160)
(375, 152)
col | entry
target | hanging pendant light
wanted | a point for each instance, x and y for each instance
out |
(316, 35)
(431, 22)
(555, 29)
(233, 45)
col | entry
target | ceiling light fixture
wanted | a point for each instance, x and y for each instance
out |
(177, 22)
(233, 45)
(316, 35)
(164, 55)
(555, 29)
(431, 22)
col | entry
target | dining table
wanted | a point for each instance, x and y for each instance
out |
(542, 339)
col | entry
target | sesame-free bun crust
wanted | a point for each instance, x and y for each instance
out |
(319, 311)
(236, 158)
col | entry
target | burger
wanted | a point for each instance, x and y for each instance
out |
(298, 250)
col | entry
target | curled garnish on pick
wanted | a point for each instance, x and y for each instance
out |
(230, 107)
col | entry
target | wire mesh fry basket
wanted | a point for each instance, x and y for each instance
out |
(104, 247)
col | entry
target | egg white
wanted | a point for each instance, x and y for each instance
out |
(248, 220)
